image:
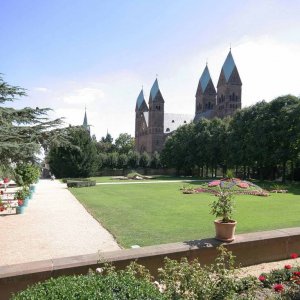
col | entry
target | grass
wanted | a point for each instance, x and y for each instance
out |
(104, 179)
(149, 214)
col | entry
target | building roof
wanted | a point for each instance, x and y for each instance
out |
(228, 66)
(204, 79)
(208, 114)
(140, 99)
(85, 122)
(173, 121)
(154, 90)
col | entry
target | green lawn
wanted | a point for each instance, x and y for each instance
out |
(149, 214)
(104, 179)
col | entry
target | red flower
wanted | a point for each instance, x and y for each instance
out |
(287, 267)
(20, 202)
(2, 192)
(2, 208)
(278, 288)
(262, 278)
(294, 255)
(296, 274)
(6, 180)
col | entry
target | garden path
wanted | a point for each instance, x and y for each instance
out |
(54, 225)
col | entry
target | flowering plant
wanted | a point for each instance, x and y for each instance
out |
(223, 206)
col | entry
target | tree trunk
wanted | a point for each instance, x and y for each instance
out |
(283, 171)
(292, 171)
(206, 175)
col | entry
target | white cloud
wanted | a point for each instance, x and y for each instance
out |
(41, 89)
(85, 95)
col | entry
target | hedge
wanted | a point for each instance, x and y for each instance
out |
(77, 184)
(112, 286)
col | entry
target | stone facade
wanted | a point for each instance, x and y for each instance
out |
(153, 125)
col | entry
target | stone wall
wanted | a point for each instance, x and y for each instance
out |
(249, 249)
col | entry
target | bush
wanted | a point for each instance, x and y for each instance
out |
(115, 285)
(81, 183)
(65, 180)
(27, 174)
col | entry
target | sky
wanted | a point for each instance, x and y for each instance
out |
(98, 54)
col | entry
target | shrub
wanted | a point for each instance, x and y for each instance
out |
(65, 180)
(81, 183)
(114, 285)
(27, 174)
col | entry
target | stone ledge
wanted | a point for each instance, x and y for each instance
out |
(249, 249)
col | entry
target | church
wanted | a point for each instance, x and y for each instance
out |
(153, 125)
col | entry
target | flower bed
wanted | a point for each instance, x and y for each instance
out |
(182, 280)
(235, 185)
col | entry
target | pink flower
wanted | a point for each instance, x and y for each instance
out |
(294, 255)
(6, 180)
(287, 267)
(214, 183)
(278, 288)
(262, 278)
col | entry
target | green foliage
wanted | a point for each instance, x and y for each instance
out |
(263, 138)
(23, 131)
(76, 159)
(27, 173)
(145, 160)
(124, 143)
(229, 174)
(114, 285)
(80, 183)
(133, 159)
(223, 206)
(22, 193)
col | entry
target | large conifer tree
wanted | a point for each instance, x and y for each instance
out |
(23, 131)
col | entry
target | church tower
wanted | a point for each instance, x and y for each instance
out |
(205, 97)
(85, 122)
(229, 94)
(156, 119)
(141, 123)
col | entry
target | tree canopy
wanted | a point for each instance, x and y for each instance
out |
(23, 131)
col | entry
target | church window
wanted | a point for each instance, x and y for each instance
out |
(184, 121)
(168, 130)
(173, 121)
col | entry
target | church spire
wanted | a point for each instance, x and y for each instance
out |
(85, 122)
(140, 102)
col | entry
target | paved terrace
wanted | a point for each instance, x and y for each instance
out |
(54, 225)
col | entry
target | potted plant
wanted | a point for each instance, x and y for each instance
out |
(23, 194)
(21, 207)
(222, 208)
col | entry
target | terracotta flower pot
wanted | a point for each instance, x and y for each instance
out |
(225, 231)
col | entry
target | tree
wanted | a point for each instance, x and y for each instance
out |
(105, 145)
(77, 159)
(124, 143)
(155, 160)
(133, 159)
(24, 131)
(145, 160)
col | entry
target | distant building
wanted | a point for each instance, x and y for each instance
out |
(85, 122)
(153, 125)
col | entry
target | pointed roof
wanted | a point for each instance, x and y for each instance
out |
(154, 90)
(228, 66)
(85, 122)
(140, 99)
(204, 79)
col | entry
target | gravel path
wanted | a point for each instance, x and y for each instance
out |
(54, 225)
